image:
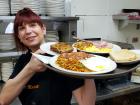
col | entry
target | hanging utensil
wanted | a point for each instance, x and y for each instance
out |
(74, 37)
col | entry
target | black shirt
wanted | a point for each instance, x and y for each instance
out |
(46, 88)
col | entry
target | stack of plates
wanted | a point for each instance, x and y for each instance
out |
(7, 42)
(51, 36)
(4, 7)
(55, 7)
(17, 5)
(42, 9)
(33, 4)
(6, 69)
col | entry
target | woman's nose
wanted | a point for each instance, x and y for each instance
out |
(28, 30)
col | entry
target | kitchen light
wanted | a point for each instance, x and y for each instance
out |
(9, 28)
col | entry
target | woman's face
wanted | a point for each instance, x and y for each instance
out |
(31, 35)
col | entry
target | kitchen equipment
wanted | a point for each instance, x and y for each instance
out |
(7, 42)
(79, 39)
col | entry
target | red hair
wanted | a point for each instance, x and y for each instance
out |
(24, 16)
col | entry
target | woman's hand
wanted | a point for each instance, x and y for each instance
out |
(36, 65)
(86, 95)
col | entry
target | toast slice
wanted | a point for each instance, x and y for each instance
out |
(61, 47)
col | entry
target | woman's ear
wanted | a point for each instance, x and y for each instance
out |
(44, 29)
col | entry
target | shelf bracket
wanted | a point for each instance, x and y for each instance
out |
(122, 23)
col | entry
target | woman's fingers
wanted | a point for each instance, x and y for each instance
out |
(39, 51)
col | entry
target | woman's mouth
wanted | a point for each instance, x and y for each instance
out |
(30, 38)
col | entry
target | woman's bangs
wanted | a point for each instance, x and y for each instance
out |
(28, 19)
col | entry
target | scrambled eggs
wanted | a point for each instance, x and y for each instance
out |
(97, 50)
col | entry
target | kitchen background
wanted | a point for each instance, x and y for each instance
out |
(95, 16)
(95, 19)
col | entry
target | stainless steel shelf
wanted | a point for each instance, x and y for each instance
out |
(123, 21)
(8, 56)
(46, 18)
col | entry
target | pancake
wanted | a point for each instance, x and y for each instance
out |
(123, 55)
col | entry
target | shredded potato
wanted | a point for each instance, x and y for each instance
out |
(72, 64)
(82, 45)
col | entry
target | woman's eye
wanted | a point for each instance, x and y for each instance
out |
(21, 28)
(32, 24)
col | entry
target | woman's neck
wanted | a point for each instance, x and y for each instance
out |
(35, 48)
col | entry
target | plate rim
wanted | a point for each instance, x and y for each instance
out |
(48, 51)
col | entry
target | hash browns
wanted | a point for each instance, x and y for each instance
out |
(71, 61)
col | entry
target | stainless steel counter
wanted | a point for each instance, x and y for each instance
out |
(105, 93)
(8, 56)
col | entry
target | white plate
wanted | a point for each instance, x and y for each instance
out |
(137, 51)
(46, 48)
(114, 48)
(98, 64)
(44, 59)
(110, 66)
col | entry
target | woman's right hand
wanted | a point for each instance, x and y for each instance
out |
(36, 65)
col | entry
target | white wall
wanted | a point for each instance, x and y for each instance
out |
(96, 19)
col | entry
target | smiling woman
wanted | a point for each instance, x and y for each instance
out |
(27, 22)
(31, 80)
(31, 34)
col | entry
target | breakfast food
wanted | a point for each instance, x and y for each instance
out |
(71, 61)
(123, 55)
(102, 44)
(94, 46)
(83, 44)
(61, 47)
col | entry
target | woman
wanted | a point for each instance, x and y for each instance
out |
(31, 80)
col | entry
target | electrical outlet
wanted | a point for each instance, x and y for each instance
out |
(135, 40)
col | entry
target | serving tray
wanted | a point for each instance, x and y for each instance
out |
(119, 71)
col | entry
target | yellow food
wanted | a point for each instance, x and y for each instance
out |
(97, 50)
(100, 67)
(82, 45)
(90, 47)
